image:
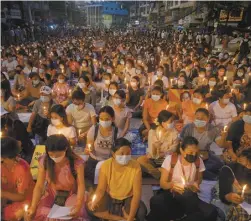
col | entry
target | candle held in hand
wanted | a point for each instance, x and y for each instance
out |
(225, 129)
(243, 190)
(26, 208)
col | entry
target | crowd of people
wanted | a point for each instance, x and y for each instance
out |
(83, 93)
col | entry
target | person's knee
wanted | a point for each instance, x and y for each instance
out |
(156, 201)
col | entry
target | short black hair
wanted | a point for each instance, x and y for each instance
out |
(246, 153)
(164, 116)
(203, 110)
(33, 74)
(120, 142)
(189, 140)
(78, 95)
(9, 147)
(121, 94)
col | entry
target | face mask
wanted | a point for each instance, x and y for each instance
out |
(240, 74)
(197, 101)
(208, 69)
(212, 83)
(117, 101)
(123, 159)
(181, 83)
(152, 59)
(55, 122)
(122, 62)
(202, 75)
(191, 158)
(107, 82)
(159, 73)
(80, 107)
(61, 81)
(41, 71)
(44, 99)
(58, 159)
(36, 82)
(247, 119)
(200, 123)
(133, 84)
(236, 85)
(109, 71)
(84, 65)
(226, 101)
(105, 124)
(81, 85)
(155, 97)
(169, 126)
(138, 71)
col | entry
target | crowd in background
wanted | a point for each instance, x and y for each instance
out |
(85, 91)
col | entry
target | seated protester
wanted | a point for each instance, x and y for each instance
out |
(134, 96)
(182, 83)
(209, 69)
(85, 68)
(60, 91)
(181, 176)
(231, 182)
(240, 72)
(152, 107)
(63, 171)
(32, 90)
(39, 122)
(73, 67)
(59, 124)
(113, 87)
(160, 76)
(20, 80)
(201, 81)
(118, 194)
(42, 70)
(223, 111)
(123, 114)
(221, 73)
(206, 134)
(189, 107)
(9, 65)
(129, 71)
(4, 76)
(103, 87)
(29, 68)
(100, 137)
(16, 129)
(84, 84)
(47, 80)
(238, 96)
(210, 89)
(239, 133)
(8, 102)
(157, 83)
(16, 181)
(80, 114)
(140, 74)
(161, 142)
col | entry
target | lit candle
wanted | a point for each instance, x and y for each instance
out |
(211, 90)
(79, 132)
(89, 147)
(243, 190)
(225, 78)
(243, 81)
(0, 134)
(26, 208)
(93, 199)
(171, 81)
(244, 106)
(183, 181)
(159, 134)
(18, 96)
(167, 106)
(206, 106)
(225, 129)
(59, 132)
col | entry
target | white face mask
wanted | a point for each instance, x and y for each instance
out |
(112, 91)
(41, 71)
(133, 84)
(155, 97)
(181, 83)
(212, 83)
(107, 82)
(240, 74)
(236, 85)
(226, 101)
(138, 71)
(58, 159)
(159, 73)
(61, 81)
(81, 85)
(123, 159)
(247, 119)
(105, 124)
(202, 75)
(122, 62)
(55, 122)
(117, 101)
(36, 82)
(109, 71)
(44, 99)
(197, 100)
(169, 126)
(208, 69)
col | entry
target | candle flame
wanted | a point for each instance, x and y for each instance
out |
(225, 129)
(1, 134)
(89, 147)
(93, 198)
(183, 181)
(26, 208)
(244, 187)
(244, 106)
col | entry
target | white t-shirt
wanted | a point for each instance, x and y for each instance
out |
(10, 65)
(164, 79)
(81, 118)
(222, 116)
(190, 170)
(27, 71)
(68, 132)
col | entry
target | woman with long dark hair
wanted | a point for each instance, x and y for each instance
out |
(64, 173)
(59, 124)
